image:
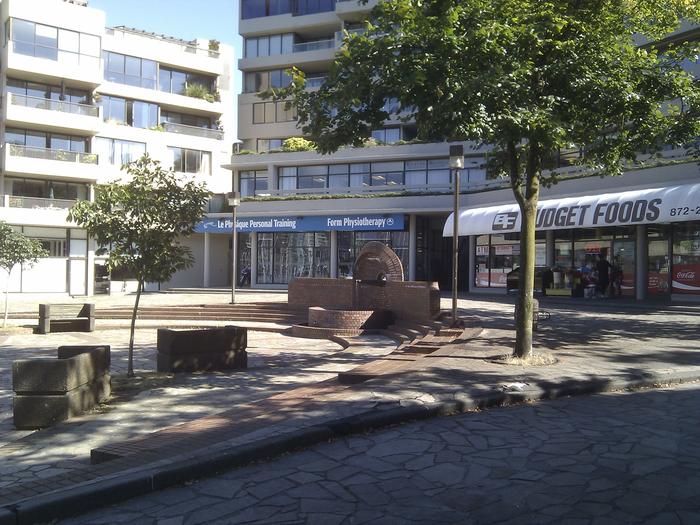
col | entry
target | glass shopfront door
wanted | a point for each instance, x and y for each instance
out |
(659, 283)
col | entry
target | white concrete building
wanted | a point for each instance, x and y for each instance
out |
(307, 215)
(80, 99)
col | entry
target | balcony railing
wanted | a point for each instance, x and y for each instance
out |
(315, 45)
(183, 45)
(195, 131)
(314, 82)
(38, 202)
(54, 105)
(18, 150)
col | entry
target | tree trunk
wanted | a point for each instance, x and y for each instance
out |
(7, 297)
(526, 281)
(130, 370)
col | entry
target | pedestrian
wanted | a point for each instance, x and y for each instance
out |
(603, 269)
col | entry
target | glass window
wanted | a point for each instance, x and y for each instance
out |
(265, 257)
(179, 81)
(275, 44)
(89, 45)
(263, 46)
(686, 258)
(69, 41)
(251, 47)
(145, 115)
(46, 36)
(23, 31)
(164, 83)
(259, 113)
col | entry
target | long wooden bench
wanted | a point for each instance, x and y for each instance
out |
(66, 318)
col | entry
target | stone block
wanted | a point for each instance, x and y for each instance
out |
(200, 350)
(72, 369)
(66, 318)
(42, 410)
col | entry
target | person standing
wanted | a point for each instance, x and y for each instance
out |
(603, 269)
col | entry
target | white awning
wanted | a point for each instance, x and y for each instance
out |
(671, 204)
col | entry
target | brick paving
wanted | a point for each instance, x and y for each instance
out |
(605, 459)
(596, 345)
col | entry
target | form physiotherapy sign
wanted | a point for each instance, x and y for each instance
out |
(672, 204)
(319, 223)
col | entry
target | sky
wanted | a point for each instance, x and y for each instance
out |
(186, 19)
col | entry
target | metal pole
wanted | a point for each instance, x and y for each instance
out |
(234, 257)
(234, 235)
(455, 247)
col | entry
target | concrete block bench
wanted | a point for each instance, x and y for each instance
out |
(202, 350)
(51, 390)
(66, 318)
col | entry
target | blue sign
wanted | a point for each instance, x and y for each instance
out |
(312, 223)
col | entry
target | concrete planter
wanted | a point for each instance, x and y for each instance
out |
(51, 390)
(202, 350)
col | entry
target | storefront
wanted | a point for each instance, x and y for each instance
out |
(650, 237)
(274, 250)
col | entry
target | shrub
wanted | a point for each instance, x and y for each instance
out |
(198, 91)
(298, 144)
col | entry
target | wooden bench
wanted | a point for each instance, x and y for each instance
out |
(66, 318)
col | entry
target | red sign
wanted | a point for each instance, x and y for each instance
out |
(686, 278)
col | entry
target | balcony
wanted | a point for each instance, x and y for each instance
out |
(24, 160)
(314, 45)
(206, 133)
(41, 203)
(83, 70)
(63, 116)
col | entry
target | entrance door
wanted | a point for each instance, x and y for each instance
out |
(659, 261)
(623, 262)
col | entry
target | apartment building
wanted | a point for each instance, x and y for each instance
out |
(308, 215)
(79, 100)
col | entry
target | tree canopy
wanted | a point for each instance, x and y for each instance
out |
(16, 248)
(139, 223)
(527, 77)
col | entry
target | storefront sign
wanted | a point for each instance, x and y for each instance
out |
(320, 223)
(672, 204)
(686, 278)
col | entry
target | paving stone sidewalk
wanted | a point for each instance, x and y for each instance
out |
(604, 349)
(606, 459)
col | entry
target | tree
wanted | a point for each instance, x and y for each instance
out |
(139, 224)
(16, 248)
(529, 77)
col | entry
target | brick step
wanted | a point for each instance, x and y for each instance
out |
(409, 332)
(217, 427)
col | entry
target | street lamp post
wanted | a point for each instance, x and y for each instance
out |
(234, 200)
(456, 163)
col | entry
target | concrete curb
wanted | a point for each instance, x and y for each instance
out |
(88, 496)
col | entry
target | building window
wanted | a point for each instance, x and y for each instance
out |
(119, 152)
(191, 160)
(129, 70)
(271, 112)
(258, 8)
(188, 120)
(387, 135)
(42, 140)
(350, 244)
(256, 81)
(176, 81)
(129, 112)
(309, 7)
(686, 258)
(285, 256)
(52, 43)
(36, 91)
(272, 45)
(55, 247)
(45, 189)
(263, 145)
(252, 183)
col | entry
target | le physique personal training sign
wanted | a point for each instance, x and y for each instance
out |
(672, 204)
(315, 223)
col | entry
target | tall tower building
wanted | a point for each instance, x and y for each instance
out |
(305, 214)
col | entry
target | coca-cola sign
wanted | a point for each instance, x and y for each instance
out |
(686, 278)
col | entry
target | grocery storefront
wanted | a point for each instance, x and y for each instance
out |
(652, 236)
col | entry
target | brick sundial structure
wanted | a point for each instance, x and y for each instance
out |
(375, 297)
